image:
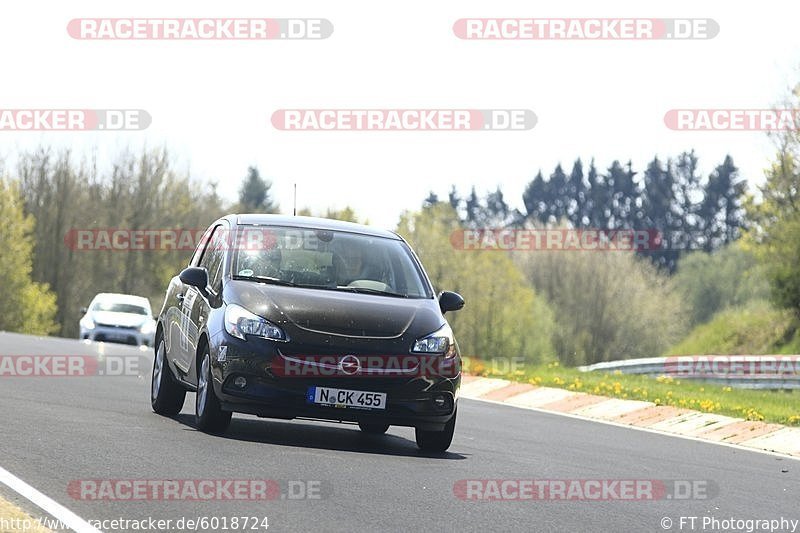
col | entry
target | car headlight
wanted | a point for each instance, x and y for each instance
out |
(240, 322)
(147, 328)
(439, 342)
(87, 323)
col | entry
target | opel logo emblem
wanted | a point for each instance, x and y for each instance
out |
(349, 364)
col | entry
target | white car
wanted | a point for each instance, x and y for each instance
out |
(122, 318)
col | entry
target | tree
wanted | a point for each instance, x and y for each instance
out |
(474, 210)
(608, 305)
(140, 192)
(503, 316)
(348, 214)
(432, 199)
(577, 194)
(254, 194)
(26, 306)
(453, 199)
(536, 199)
(722, 210)
(713, 282)
(559, 204)
(599, 199)
(777, 217)
(660, 212)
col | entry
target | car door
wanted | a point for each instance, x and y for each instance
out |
(184, 337)
(195, 305)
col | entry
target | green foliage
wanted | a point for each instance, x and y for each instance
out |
(668, 196)
(503, 316)
(756, 328)
(755, 405)
(609, 305)
(712, 282)
(348, 214)
(254, 194)
(776, 232)
(141, 192)
(26, 306)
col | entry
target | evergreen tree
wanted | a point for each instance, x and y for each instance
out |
(536, 199)
(722, 208)
(577, 194)
(254, 194)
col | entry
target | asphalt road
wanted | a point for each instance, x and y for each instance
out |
(60, 429)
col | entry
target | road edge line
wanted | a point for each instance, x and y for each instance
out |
(47, 504)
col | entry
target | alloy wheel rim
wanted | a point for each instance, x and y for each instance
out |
(158, 367)
(202, 386)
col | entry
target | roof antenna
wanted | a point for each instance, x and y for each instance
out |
(294, 212)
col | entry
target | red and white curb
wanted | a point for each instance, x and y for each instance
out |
(760, 436)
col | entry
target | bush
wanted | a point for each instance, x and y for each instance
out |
(712, 282)
(608, 305)
(26, 307)
(754, 329)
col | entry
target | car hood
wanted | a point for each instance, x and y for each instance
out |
(125, 320)
(337, 312)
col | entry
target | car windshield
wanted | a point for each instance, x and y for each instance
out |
(117, 307)
(332, 260)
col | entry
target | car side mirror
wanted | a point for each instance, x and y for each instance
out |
(450, 301)
(83, 310)
(196, 277)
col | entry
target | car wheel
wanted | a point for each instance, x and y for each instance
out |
(208, 413)
(436, 441)
(166, 396)
(373, 428)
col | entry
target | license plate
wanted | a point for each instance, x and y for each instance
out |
(116, 336)
(344, 398)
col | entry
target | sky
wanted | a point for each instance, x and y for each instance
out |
(211, 101)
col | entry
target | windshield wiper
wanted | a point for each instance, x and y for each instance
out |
(367, 290)
(269, 279)
(278, 281)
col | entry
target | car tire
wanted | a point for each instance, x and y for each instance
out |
(373, 428)
(436, 441)
(166, 395)
(209, 415)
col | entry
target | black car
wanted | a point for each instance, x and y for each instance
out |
(299, 317)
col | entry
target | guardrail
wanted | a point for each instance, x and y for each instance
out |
(768, 372)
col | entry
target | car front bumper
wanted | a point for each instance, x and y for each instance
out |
(426, 402)
(132, 337)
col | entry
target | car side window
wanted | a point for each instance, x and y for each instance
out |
(214, 258)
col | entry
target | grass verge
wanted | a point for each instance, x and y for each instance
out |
(782, 407)
(15, 520)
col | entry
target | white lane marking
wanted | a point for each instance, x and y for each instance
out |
(640, 428)
(55, 509)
